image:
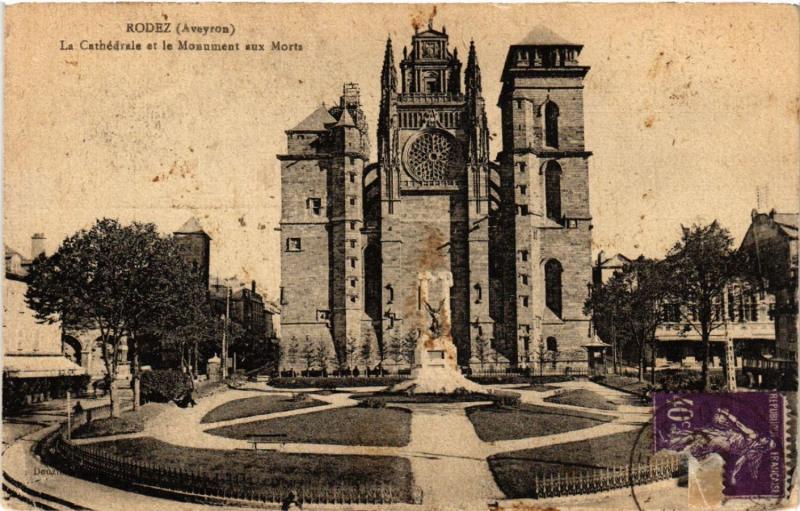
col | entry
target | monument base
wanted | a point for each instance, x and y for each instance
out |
(436, 370)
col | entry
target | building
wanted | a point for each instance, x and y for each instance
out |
(743, 314)
(605, 267)
(195, 246)
(357, 238)
(34, 353)
(771, 246)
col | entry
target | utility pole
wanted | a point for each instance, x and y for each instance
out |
(225, 334)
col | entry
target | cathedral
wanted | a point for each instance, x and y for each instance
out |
(514, 232)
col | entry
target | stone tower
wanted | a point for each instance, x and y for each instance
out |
(321, 225)
(432, 190)
(544, 224)
(195, 246)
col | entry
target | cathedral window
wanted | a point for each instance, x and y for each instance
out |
(523, 190)
(552, 183)
(552, 344)
(551, 124)
(352, 226)
(353, 261)
(353, 243)
(524, 278)
(353, 282)
(523, 167)
(314, 204)
(522, 209)
(352, 200)
(523, 300)
(552, 286)
(523, 255)
(293, 245)
(352, 176)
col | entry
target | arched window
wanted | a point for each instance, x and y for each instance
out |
(552, 193)
(550, 124)
(552, 286)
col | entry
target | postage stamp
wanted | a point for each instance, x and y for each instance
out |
(745, 428)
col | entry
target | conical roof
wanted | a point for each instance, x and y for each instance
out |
(345, 120)
(192, 226)
(543, 36)
(316, 121)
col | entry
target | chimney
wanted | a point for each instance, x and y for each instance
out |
(37, 245)
(253, 286)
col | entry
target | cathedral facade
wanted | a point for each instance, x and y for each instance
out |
(514, 233)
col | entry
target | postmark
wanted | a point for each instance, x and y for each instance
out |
(745, 428)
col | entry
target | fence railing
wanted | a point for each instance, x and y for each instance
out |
(558, 484)
(91, 463)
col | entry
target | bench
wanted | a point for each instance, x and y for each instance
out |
(264, 439)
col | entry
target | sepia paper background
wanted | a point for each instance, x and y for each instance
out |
(688, 109)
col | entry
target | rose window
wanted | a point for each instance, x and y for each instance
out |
(430, 156)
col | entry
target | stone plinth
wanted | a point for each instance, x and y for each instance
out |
(435, 368)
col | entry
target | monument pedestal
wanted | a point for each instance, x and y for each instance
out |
(435, 368)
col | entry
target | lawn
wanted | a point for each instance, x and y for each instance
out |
(514, 471)
(584, 398)
(128, 422)
(263, 469)
(259, 405)
(494, 423)
(390, 427)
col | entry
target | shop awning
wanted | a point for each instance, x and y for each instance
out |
(40, 366)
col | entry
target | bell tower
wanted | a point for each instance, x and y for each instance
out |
(545, 242)
(433, 171)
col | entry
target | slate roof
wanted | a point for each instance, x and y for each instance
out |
(345, 120)
(316, 121)
(192, 226)
(543, 36)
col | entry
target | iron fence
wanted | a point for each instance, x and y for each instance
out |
(91, 463)
(557, 484)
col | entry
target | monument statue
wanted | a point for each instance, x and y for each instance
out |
(435, 370)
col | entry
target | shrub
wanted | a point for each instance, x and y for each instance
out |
(299, 397)
(162, 385)
(371, 403)
(504, 398)
(334, 382)
(683, 380)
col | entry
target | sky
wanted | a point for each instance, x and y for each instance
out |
(688, 110)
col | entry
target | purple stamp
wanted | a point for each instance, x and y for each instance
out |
(745, 428)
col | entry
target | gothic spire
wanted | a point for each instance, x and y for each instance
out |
(472, 75)
(388, 73)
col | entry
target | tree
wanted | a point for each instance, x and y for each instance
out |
(322, 356)
(482, 348)
(119, 280)
(409, 347)
(292, 352)
(309, 355)
(701, 265)
(396, 352)
(630, 303)
(382, 352)
(541, 355)
(365, 352)
(350, 349)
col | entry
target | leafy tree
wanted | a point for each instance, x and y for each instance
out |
(350, 350)
(630, 303)
(701, 265)
(119, 280)
(292, 351)
(395, 350)
(482, 348)
(409, 347)
(382, 352)
(309, 355)
(366, 352)
(322, 355)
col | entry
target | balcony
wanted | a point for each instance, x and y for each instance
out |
(438, 185)
(422, 98)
